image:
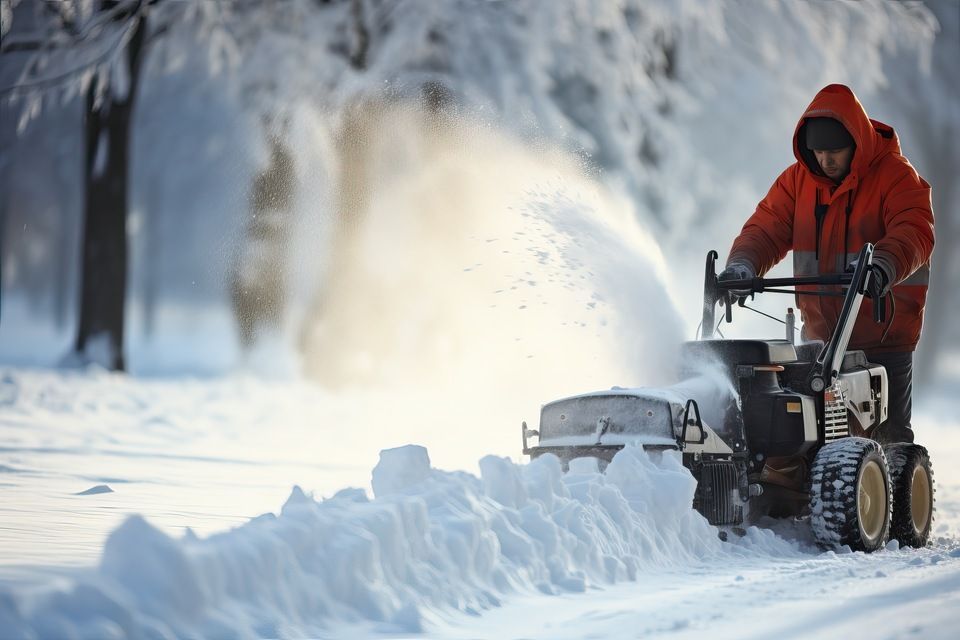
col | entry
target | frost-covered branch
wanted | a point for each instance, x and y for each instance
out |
(67, 28)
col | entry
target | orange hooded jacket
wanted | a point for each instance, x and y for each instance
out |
(882, 200)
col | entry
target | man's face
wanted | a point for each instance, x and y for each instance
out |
(834, 162)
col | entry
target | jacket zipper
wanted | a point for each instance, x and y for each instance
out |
(846, 225)
(819, 212)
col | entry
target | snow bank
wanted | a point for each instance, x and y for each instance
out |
(429, 543)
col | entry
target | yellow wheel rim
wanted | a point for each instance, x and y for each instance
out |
(872, 501)
(920, 499)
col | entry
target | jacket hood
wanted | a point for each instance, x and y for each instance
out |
(873, 139)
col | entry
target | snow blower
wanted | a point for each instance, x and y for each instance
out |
(782, 430)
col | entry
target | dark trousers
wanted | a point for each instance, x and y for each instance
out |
(899, 368)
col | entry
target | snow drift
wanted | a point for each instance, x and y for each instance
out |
(430, 543)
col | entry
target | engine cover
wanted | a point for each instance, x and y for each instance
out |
(615, 417)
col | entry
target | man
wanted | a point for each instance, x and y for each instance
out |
(850, 185)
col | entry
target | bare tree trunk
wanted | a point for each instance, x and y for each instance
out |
(359, 49)
(106, 172)
(259, 286)
(152, 261)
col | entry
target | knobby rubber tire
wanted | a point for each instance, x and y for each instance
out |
(903, 460)
(837, 485)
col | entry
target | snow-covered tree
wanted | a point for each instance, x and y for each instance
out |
(684, 108)
(95, 49)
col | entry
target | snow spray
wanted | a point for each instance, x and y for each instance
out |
(476, 276)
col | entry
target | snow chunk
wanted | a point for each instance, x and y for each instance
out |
(400, 469)
(154, 571)
(100, 488)
(502, 481)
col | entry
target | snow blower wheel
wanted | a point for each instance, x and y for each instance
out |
(911, 478)
(850, 496)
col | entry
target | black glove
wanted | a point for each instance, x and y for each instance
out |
(737, 270)
(879, 283)
(883, 272)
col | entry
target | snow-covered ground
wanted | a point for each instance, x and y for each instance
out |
(223, 508)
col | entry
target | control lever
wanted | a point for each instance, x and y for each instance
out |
(879, 301)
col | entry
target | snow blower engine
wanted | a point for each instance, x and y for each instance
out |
(768, 427)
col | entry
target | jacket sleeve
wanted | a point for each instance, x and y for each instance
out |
(908, 220)
(767, 235)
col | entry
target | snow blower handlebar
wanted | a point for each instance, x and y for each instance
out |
(857, 283)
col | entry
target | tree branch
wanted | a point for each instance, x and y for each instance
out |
(129, 11)
(44, 83)
(120, 11)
